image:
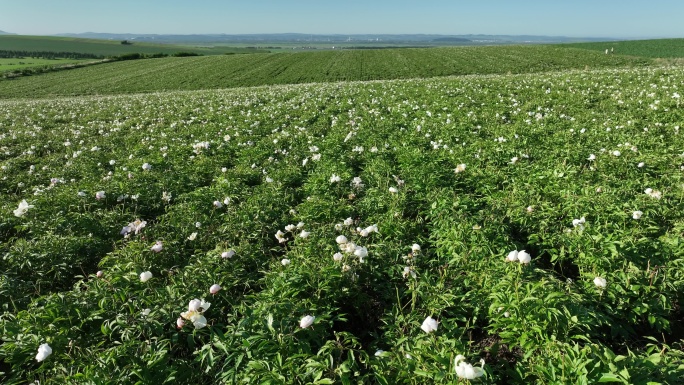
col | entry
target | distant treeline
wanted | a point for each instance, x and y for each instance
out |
(14, 54)
(136, 56)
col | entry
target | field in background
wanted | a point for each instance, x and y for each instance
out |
(27, 62)
(211, 72)
(104, 47)
(659, 48)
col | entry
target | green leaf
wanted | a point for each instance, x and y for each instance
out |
(609, 377)
(324, 381)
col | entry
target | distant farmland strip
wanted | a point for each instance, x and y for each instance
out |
(211, 72)
(99, 47)
(660, 48)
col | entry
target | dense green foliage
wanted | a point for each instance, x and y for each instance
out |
(582, 169)
(659, 48)
(100, 47)
(287, 68)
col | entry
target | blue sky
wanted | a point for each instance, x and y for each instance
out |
(576, 18)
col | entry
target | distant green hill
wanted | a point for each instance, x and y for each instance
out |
(103, 47)
(660, 48)
(211, 72)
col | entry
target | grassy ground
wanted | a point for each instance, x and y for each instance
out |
(212, 72)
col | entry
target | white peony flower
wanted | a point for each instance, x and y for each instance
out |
(199, 321)
(197, 304)
(415, 248)
(637, 214)
(214, 288)
(357, 182)
(524, 257)
(591, 157)
(44, 350)
(521, 256)
(145, 276)
(429, 325)
(361, 252)
(22, 209)
(100, 195)
(335, 178)
(304, 234)
(600, 282)
(341, 239)
(578, 222)
(285, 261)
(393, 190)
(157, 247)
(192, 236)
(204, 304)
(227, 254)
(512, 256)
(306, 321)
(146, 167)
(460, 168)
(653, 193)
(467, 371)
(337, 257)
(408, 271)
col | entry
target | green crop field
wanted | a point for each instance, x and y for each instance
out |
(19, 63)
(104, 47)
(195, 73)
(510, 228)
(660, 48)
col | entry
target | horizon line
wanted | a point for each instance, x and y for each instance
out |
(342, 34)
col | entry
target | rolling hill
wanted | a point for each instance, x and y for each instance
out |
(214, 72)
(104, 47)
